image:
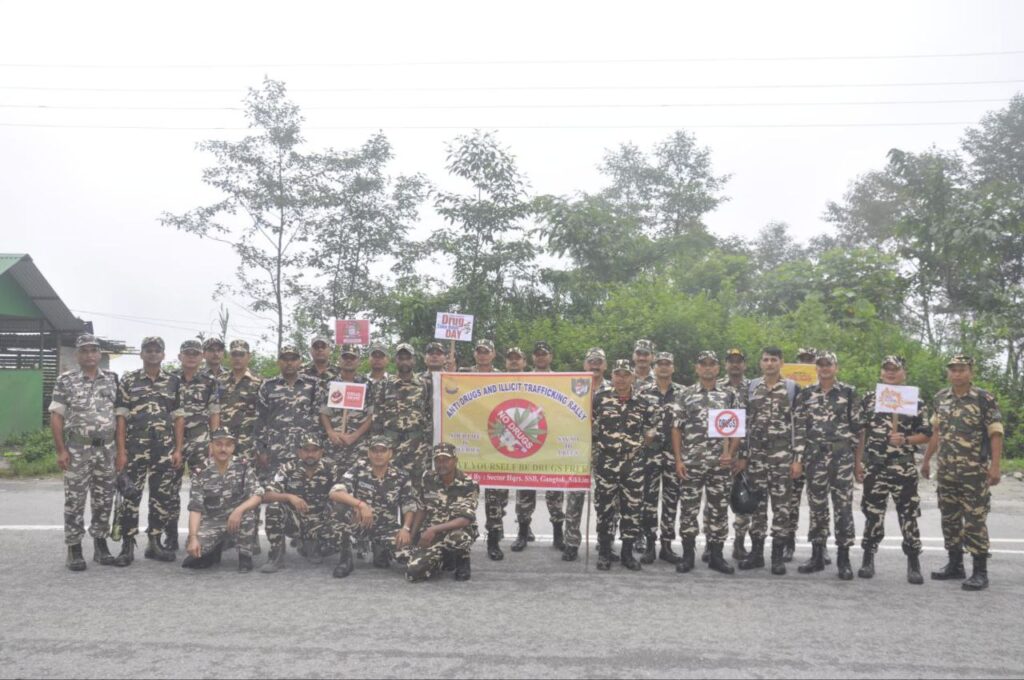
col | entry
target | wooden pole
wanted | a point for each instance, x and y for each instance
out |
(344, 421)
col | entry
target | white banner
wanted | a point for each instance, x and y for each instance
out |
(727, 422)
(901, 399)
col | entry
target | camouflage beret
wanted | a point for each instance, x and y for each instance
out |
(664, 356)
(622, 365)
(484, 342)
(434, 346)
(895, 360)
(320, 338)
(191, 346)
(828, 357)
(514, 350)
(380, 347)
(735, 352)
(239, 346)
(595, 353)
(287, 349)
(86, 340)
(960, 360)
(211, 343)
(809, 352)
(444, 449)
(541, 347)
(380, 440)
(153, 340)
(350, 350)
(221, 433)
(706, 355)
(643, 345)
(311, 441)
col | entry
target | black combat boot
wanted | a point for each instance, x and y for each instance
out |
(717, 561)
(155, 551)
(629, 561)
(604, 553)
(127, 555)
(462, 572)
(954, 569)
(685, 563)
(447, 560)
(817, 561)
(739, 552)
(667, 553)
(914, 570)
(192, 562)
(778, 566)
(529, 535)
(979, 575)
(788, 549)
(867, 564)
(640, 543)
(825, 557)
(381, 557)
(523, 538)
(570, 553)
(705, 556)
(345, 564)
(100, 553)
(244, 563)
(75, 561)
(558, 540)
(651, 551)
(755, 558)
(845, 571)
(493, 549)
(275, 559)
(171, 537)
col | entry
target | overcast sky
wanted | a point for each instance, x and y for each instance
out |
(793, 99)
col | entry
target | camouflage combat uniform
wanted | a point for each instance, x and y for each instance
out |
(197, 399)
(346, 456)
(661, 470)
(310, 370)
(391, 497)
(769, 451)
(620, 427)
(443, 504)
(962, 476)
(149, 408)
(890, 471)
(701, 457)
(87, 406)
(741, 523)
(239, 411)
(405, 418)
(374, 394)
(287, 413)
(825, 428)
(216, 495)
(320, 525)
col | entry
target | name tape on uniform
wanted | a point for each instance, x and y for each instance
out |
(344, 395)
(727, 422)
(454, 327)
(352, 332)
(900, 399)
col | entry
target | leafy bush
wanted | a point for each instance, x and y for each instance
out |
(31, 454)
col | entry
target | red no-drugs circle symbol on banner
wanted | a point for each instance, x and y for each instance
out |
(727, 423)
(517, 428)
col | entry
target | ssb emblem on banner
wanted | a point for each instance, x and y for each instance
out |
(581, 386)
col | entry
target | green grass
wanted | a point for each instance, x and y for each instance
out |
(1011, 465)
(30, 455)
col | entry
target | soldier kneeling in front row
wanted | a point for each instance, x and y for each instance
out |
(221, 507)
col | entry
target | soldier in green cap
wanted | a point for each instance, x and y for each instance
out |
(239, 400)
(404, 415)
(213, 358)
(346, 428)
(377, 378)
(967, 434)
(736, 381)
(288, 413)
(319, 366)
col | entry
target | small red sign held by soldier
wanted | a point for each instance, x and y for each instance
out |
(352, 332)
(349, 396)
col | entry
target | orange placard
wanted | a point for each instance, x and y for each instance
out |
(802, 374)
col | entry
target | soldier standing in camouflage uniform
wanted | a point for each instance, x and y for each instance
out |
(445, 519)
(320, 366)
(624, 424)
(82, 421)
(213, 358)
(198, 400)
(377, 379)
(239, 401)
(768, 458)
(345, 445)
(826, 422)
(884, 463)
(435, 359)
(526, 499)
(704, 465)
(404, 415)
(804, 355)
(967, 432)
(643, 358)
(736, 381)
(150, 438)
(382, 504)
(287, 414)
(222, 507)
(298, 506)
(661, 466)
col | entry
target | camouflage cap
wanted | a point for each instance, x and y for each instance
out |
(894, 359)
(825, 357)
(191, 346)
(444, 449)
(380, 441)
(434, 346)
(239, 346)
(541, 347)
(287, 349)
(643, 345)
(484, 342)
(221, 433)
(405, 347)
(664, 356)
(311, 441)
(514, 350)
(380, 347)
(320, 338)
(211, 343)
(595, 353)
(735, 352)
(809, 352)
(153, 340)
(622, 365)
(86, 340)
(960, 360)
(706, 355)
(350, 350)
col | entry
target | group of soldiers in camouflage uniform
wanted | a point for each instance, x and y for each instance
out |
(369, 479)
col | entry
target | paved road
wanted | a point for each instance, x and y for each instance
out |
(529, 616)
